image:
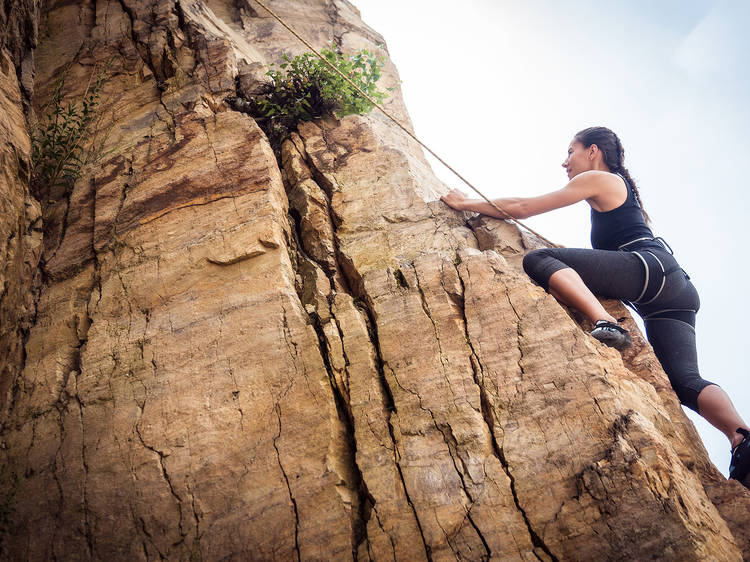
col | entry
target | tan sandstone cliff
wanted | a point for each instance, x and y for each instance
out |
(213, 356)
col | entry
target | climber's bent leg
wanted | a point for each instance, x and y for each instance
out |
(574, 275)
(568, 287)
(607, 274)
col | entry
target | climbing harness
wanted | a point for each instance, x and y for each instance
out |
(658, 239)
(653, 285)
(685, 315)
(407, 131)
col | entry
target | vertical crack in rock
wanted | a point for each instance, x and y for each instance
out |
(133, 36)
(487, 413)
(450, 439)
(86, 511)
(390, 538)
(60, 407)
(141, 524)
(536, 539)
(83, 341)
(291, 346)
(456, 554)
(146, 47)
(366, 500)
(210, 141)
(141, 405)
(441, 355)
(390, 408)
(353, 284)
(277, 407)
(361, 512)
(16, 387)
(195, 551)
(451, 445)
(230, 371)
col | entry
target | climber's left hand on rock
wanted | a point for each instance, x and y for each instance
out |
(455, 199)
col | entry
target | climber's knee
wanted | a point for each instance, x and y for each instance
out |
(688, 392)
(540, 265)
(531, 259)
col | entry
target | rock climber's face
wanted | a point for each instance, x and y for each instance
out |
(578, 159)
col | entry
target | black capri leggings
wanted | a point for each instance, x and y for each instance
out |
(667, 302)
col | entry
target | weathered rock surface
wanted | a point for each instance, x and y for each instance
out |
(18, 37)
(238, 359)
(20, 218)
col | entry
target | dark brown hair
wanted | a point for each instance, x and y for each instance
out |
(614, 155)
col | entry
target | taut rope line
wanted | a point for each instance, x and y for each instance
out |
(407, 131)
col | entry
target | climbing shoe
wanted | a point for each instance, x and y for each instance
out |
(612, 335)
(739, 466)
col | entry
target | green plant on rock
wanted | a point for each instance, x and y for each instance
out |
(305, 87)
(59, 138)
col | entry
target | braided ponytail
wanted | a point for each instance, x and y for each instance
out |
(623, 171)
(614, 156)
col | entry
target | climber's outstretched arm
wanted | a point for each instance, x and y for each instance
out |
(583, 186)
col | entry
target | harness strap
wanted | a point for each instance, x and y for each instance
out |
(626, 244)
(681, 314)
(656, 277)
(658, 239)
(645, 283)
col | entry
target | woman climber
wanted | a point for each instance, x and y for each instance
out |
(630, 264)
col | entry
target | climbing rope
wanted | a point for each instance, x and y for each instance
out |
(407, 131)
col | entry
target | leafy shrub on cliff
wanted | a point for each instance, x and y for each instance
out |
(305, 87)
(59, 137)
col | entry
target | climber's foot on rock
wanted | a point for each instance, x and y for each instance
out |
(612, 335)
(739, 466)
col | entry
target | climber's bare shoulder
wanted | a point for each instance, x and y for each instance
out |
(605, 191)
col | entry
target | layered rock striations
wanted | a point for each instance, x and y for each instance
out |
(235, 357)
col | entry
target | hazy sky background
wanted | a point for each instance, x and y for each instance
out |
(497, 88)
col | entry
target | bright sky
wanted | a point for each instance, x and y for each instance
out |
(498, 88)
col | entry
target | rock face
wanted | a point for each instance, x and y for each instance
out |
(233, 358)
(20, 218)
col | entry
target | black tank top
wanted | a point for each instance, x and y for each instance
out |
(612, 229)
